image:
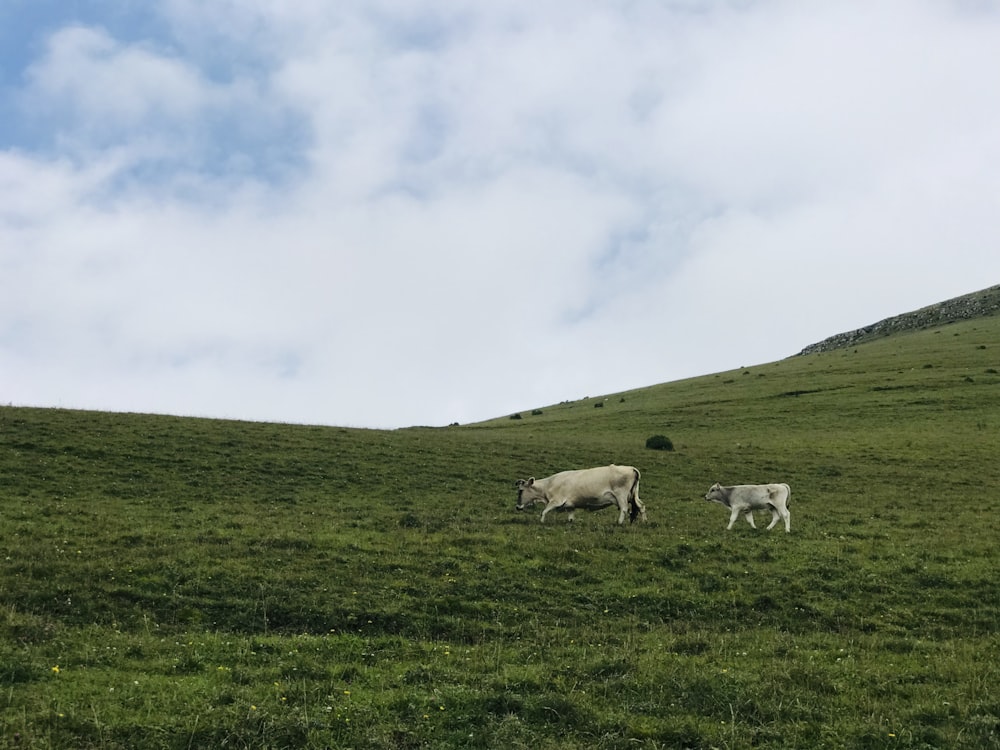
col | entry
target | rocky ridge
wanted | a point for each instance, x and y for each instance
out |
(980, 304)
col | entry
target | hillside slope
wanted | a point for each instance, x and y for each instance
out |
(170, 583)
(979, 304)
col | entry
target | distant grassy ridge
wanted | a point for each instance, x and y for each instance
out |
(981, 304)
(175, 583)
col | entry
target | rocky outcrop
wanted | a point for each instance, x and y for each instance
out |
(976, 305)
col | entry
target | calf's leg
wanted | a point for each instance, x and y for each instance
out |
(775, 515)
(780, 511)
(732, 518)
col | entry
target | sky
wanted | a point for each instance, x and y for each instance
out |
(386, 213)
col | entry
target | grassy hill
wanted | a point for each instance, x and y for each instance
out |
(984, 303)
(174, 583)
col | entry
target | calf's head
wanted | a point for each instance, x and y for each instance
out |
(716, 494)
(528, 494)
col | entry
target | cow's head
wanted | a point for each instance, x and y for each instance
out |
(716, 494)
(528, 494)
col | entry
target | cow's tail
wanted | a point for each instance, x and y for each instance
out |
(634, 507)
(788, 495)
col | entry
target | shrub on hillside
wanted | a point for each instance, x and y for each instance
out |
(659, 443)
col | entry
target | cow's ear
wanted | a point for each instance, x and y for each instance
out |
(531, 481)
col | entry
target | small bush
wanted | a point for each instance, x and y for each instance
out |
(536, 412)
(410, 521)
(659, 443)
(515, 416)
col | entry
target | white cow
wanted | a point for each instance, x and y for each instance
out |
(589, 489)
(746, 498)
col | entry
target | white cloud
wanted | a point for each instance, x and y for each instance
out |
(287, 210)
(108, 85)
(802, 101)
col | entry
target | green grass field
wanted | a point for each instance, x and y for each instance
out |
(183, 583)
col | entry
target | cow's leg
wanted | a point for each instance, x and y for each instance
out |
(749, 517)
(642, 508)
(556, 505)
(732, 518)
(610, 498)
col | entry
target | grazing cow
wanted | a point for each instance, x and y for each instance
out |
(746, 498)
(590, 489)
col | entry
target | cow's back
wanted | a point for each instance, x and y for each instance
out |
(591, 482)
